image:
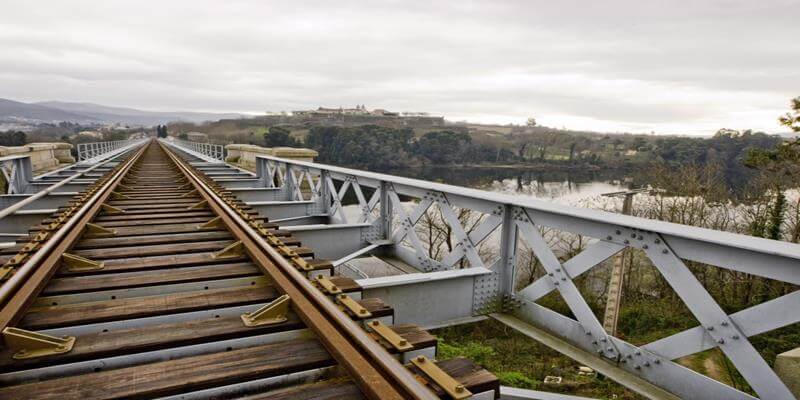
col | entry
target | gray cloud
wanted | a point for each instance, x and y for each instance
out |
(671, 66)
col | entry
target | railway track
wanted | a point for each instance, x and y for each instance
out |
(157, 283)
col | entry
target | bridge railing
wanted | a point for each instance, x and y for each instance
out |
(398, 210)
(96, 150)
(207, 151)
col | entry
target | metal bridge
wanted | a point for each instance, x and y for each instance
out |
(125, 204)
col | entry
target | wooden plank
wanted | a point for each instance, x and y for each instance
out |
(160, 221)
(153, 250)
(156, 262)
(179, 214)
(376, 307)
(334, 389)
(148, 278)
(149, 338)
(140, 230)
(474, 377)
(346, 284)
(153, 202)
(160, 210)
(119, 309)
(152, 239)
(181, 375)
(416, 336)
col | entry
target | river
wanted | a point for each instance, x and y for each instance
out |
(559, 186)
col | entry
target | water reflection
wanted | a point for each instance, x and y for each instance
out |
(566, 187)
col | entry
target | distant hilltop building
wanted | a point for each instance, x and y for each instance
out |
(196, 136)
(358, 110)
(360, 115)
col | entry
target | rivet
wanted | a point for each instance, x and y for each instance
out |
(665, 251)
(721, 341)
(618, 232)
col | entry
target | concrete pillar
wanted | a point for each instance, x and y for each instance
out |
(787, 366)
(244, 155)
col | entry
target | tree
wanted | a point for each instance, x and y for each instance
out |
(183, 136)
(780, 168)
(279, 136)
(367, 146)
(792, 118)
(531, 122)
(13, 138)
(442, 147)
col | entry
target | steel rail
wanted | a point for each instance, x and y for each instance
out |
(374, 370)
(21, 289)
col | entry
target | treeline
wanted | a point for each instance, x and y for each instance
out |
(377, 147)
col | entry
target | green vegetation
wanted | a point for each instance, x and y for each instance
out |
(522, 362)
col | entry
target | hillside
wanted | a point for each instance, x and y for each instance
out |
(88, 113)
(133, 116)
(17, 111)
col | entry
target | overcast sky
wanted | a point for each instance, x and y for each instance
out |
(686, 67)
